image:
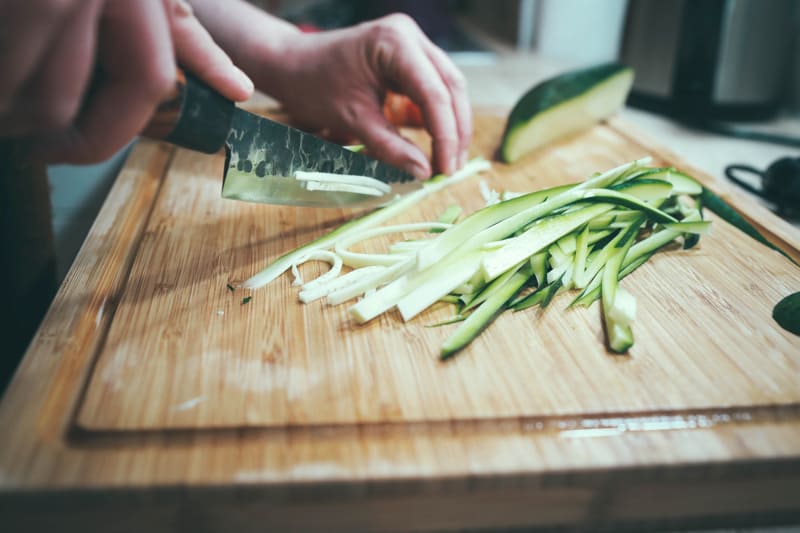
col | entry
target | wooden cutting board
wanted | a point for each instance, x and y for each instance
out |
(152, 399)
(182, 351)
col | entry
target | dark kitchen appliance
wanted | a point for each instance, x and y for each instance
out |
(780, 184)
(710, 59)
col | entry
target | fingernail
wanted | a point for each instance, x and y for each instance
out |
(464, 158)
(244, 80)
(418, 171)
(183, 8)
(453, 165)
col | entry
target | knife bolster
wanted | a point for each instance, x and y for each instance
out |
(194, 116)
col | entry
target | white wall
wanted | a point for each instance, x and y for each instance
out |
(580, 31)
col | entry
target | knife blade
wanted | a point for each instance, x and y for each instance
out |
(262, 155)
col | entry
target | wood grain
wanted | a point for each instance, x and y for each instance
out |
(66, 465)
(183, 352)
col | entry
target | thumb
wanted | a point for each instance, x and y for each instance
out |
(196, 51)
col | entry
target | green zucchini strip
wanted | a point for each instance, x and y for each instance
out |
(618, 305)
(500, 291)
(585, 236)
(369, 220)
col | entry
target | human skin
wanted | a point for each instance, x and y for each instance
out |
(337, 79)
(83, 77)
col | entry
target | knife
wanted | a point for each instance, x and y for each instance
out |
(262, 156)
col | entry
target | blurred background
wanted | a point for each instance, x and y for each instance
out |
(727, 67)
(757, 61)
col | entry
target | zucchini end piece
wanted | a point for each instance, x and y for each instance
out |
(563, 105)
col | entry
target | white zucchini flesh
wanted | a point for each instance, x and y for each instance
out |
(370, 283)
(441, 279)
(342, 187)
(359, 259)
(406, 247)
(492, 215)
(324, 289)
(536, 238)
(548, 235)
(318, 255)
(619, 333)
(431, 290)
(370, 220)
(623, 310)
(365, 182)
(581, 254)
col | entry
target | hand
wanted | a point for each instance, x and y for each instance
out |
(82, 77)
(338, 79)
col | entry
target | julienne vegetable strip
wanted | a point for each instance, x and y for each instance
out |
(372, 219)
(516, 253)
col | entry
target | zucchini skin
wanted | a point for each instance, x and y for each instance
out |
(554, 92)
(787, 313)
(726, 212)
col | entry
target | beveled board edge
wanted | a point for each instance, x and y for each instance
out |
(39, 405)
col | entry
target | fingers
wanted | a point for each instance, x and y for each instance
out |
(45, 91)
(384, 142)
(26, 31)
(416, 76)
(418, 69)
(138, 69)
(422, 83)
(199, 54)
(457, 85)
(53, 95)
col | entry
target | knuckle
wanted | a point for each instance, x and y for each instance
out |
(181, 8)
(54, 114)
(158, 83)
(400, 20)
(457, 81)
(438, 97)
(349, 115)
(394, 28)
(447, 140)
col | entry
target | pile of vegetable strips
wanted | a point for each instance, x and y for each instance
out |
(518, 252)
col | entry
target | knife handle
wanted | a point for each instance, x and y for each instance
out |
(192, 116)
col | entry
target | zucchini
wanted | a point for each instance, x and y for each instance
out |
(727, 213)
(637, 254)
(681, 183)
(537, 238)
(564, 105)
(369, 220)
(548, 230)
(787, 313)
(580, 236)
(618, 305)
(542, 296)
(500, 291)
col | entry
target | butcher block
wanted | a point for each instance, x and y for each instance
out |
(158, 395)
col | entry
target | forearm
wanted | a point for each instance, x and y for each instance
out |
(257, 42)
